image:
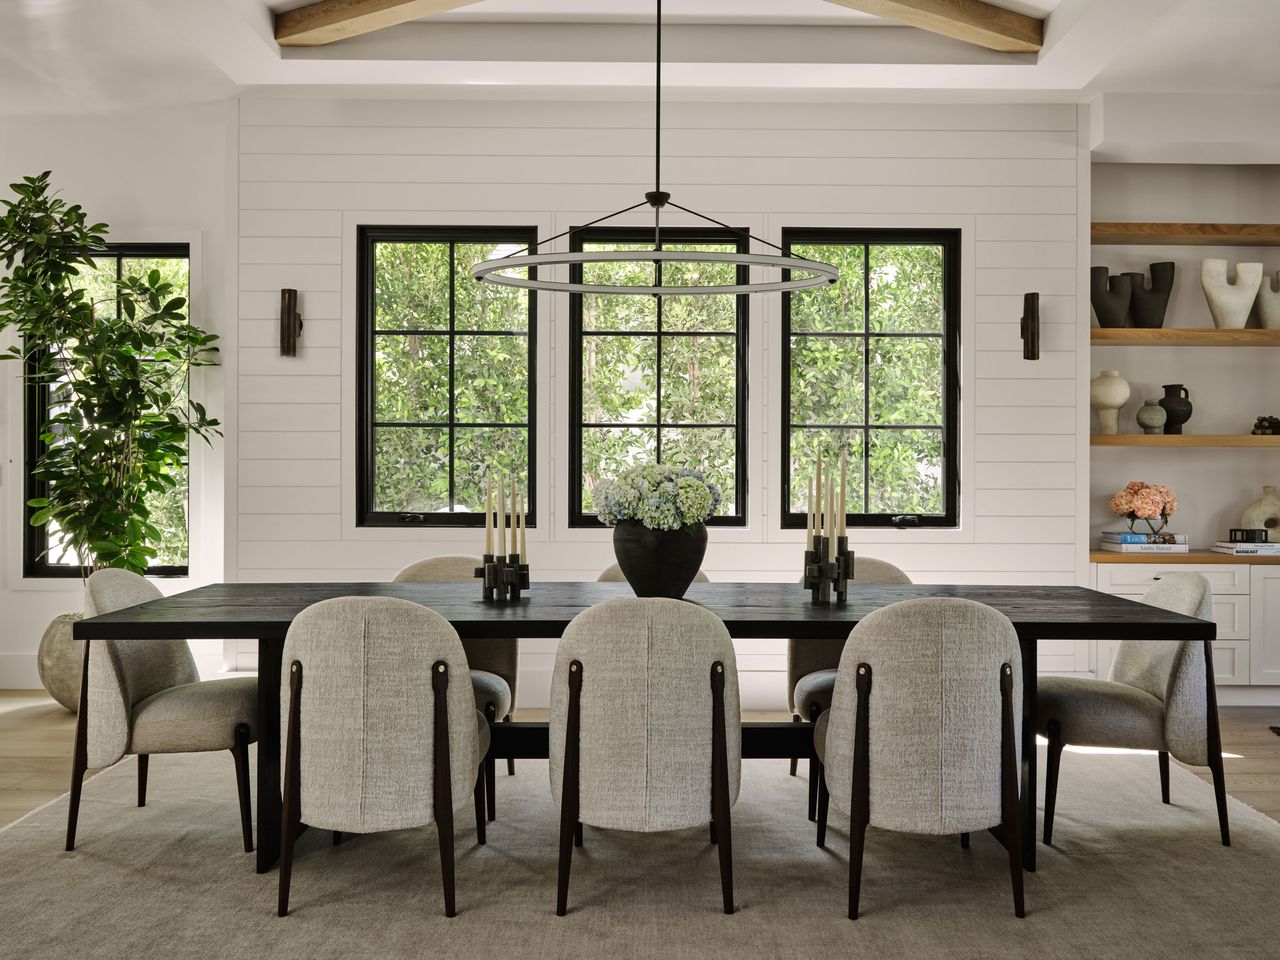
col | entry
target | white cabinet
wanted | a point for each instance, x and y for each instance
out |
(1230, 661)
(1063, 656)
(1264, 629)
(1136, 578)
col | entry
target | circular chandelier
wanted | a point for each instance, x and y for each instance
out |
(796, 273)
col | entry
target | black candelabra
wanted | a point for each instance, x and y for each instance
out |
(824, 577)
(502, 577)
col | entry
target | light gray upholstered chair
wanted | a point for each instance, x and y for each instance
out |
(645, 726)
(924, 729)
(1157, 698)
(811, 666)
(380, 726)
(613, 574)
(146, 696)
(494, 660)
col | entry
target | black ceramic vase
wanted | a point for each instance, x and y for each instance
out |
(659, 563)
(1177, 404)
(1147, 307)
(1110, 297)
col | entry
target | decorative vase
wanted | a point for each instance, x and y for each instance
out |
(60, 661)
(1110, 297)
(1177, 404)
(1147, 306)
(1108, 392)
(1269, 302)
(659, 563)
(1263, 513)
(1230, 303)
(1151, 417)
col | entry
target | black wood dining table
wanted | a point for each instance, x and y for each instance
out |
(264, 611)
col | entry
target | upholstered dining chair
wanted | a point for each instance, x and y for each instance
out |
(1156, 698)
(924, 729)
(494, 661)
(645, 726)
(146, 697)
(613, 574)
(380, 726)
(811, 666)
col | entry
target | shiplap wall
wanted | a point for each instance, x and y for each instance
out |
(1013, 178)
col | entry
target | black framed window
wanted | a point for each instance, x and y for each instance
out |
(870, 369)
(658, 379)
(446, 390)
(45, 553)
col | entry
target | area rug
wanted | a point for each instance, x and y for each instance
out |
(1127, 877)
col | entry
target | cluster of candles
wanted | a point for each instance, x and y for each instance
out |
(827, 505)
(497, 516)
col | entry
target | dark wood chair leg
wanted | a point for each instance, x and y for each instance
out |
(479, 803)
(569, 787)
(1009, 808)
(290, 813)
(824, 802)
(80, 753)
(814, 712)
(860, 807)
(577, 834)
(490, 766)
(143, 763)
(712, 831)
(964, 841)
(442, 794)
(240, 753)
(1054, 757)
(511, 761)
(721, 817)
(795, 760)
(1214, 744)
(1163, 758)
(337, 838)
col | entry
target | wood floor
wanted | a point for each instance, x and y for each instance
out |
(36, 736)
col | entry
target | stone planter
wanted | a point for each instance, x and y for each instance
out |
(60, 661)
(659, 563)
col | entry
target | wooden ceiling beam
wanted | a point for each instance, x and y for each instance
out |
(329, 20)
(972, 21)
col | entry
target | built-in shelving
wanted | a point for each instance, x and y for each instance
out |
(1185, 337)
(1188, 234)
(1183, 440)
(1198, 557)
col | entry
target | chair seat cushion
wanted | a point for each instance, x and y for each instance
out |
(814, 688)
(195, 717)
(491, 688)
(820, 735)
(1100, 713)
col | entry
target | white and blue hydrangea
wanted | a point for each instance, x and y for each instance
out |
(659, 497)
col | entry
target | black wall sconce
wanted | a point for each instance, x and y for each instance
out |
(1031, 326)
(290, 323)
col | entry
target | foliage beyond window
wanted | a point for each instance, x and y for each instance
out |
(869, 370)
(445, 375)
(657, 380)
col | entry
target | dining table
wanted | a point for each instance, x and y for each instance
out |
(263, 612)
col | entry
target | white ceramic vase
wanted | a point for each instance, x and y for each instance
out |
(1263, 513)
(1269, 302)
(1108, 392)
(1230, 303)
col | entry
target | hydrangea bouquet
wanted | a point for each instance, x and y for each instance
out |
(657, 496)
(1145, 501)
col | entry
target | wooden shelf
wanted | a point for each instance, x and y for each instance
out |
(1195, 556)
(1186, 337)
(1183, 440)
(1188, 234)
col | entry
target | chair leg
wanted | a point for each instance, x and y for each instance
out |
(1010, 809)
(1213, 738)
(240, 753)
(290, 809)
(824, 802)
(80, 753)
(337, 838)
(577, 834)
(479, 804)
(442, 777)
(1051, 777)
(860, 807)
(569, 788)
(964, 841)
(511, 761)
(814, 712)
(491, 767)
(720, 814)
(1163, 757)
(143, 763)
(794, 760)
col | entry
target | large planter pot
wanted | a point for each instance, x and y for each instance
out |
(1230, 303)
(60, 661)
(659, 563)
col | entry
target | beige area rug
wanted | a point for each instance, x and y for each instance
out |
(1127, 878)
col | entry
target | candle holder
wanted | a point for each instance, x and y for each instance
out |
(502, 577)
(823, 577)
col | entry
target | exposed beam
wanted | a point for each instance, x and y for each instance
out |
(329, 20)
(972, 21)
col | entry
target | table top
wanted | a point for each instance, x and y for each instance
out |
(265, 610)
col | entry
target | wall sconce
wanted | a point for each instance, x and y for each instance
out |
(1031, 326)
(290, 323)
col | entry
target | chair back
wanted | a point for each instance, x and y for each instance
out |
(1173, 671)
(496, 655)
(123, 673)
(808, 656)
(367, 712)
(934, 714)
(613, 574)
(645, 713)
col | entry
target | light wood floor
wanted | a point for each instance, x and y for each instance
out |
(36, 736)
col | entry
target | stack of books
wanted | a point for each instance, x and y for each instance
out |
(1127, 541)
(1247, 549)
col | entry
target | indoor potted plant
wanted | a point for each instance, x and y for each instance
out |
(658, 514)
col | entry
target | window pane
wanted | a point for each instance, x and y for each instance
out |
(411, 469)
(619, 379)
(491, 379)
(169, 514)
(807, 446)
(174, 270)
(487, 306)
(411, 286)
(826, 380)
(701, 314)
(699, 380)
(906, 471)
(834, 308)
(906, 289)
(481, 452)
(411, 378)
(607, 451)
(99, 284)
(906, 380)
(611, 311)
(710, 450)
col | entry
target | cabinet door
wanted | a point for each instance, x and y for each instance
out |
(1062, 656)
(1231, 613)
(1137, 578)
(1230, 661)
(1264, 631)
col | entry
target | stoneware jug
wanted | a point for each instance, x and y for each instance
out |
(1269, 302)
(1108, 392)
(1263, 514)
(1230, 303)
(1151, 417)
(1177, 404)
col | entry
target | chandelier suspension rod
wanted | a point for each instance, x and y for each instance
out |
(657, 199)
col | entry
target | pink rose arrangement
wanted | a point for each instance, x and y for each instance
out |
(1145, 501)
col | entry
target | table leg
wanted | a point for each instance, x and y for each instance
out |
(270, 653)
(1028, 786)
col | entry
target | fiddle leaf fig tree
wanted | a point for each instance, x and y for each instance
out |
(119, 417)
